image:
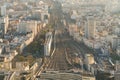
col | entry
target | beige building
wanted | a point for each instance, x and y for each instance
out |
(33, 67)
(88, 76)
(28, 26)
(5, 60)
(118, 50)
(117, 75)
(90, 25)
(5, 65)
(22, 66)
(73, 28)
(89, 59)
(25, 43)
(117, 66)
(90, 63)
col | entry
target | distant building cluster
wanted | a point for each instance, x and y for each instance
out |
(97, 25)
(20, 22)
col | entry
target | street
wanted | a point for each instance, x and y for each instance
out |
(65, 47)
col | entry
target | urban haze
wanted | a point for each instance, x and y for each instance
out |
(59, 39)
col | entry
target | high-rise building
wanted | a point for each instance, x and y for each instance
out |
(90, 25)
(4, 23)
(3, 10)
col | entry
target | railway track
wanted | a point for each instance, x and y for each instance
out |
(58, 61)
(64, 43)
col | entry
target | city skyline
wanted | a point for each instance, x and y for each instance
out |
(59, 40)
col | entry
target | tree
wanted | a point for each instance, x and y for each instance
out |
(30, 58)
(21, 58)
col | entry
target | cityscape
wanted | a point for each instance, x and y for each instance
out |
(59, 39)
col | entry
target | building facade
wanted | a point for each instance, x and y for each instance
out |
(90, 25)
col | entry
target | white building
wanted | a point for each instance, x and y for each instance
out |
(47, 45)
